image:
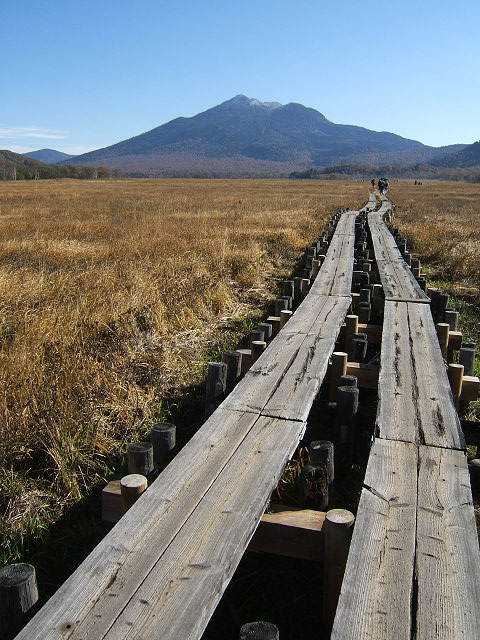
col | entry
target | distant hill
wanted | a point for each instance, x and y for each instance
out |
(15, 166)
(49, 156)
(244, 136)
(466, 157)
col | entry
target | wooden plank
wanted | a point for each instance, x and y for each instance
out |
(377, 589)
(448, 559)
(296, 391)
(415, 400)
(179, 594)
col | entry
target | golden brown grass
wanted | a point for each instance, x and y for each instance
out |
(111, 293)
(442, 223)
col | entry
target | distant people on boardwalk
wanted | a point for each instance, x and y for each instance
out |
(383, 186)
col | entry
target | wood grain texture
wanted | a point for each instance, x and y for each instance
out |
(415, 400)
(377, 589)
(448, 559)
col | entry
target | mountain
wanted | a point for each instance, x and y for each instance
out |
(50, 156)
(466, 157)
(244, 136)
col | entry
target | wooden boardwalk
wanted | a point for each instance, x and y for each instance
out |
(162, 569)
(414, 567)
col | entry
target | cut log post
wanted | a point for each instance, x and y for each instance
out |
(163, 439)
(216, 386)
(351, 327)
(280, 305)
(348, 381)
(358, 347)
(266, 327)
(259, 631)
(451, 317)
(365, 295)
(255, 334)
(140, 458)
(422, 282)
(322, 453)
(378, 299)
(289, 300)
(314, 486)
(18, 597)
(455, 377)
(288, 289)
(275, 322)
(364, 310)
(297, 285)
(442, 331)
(233, 360)
(364, 279)
(315, 268)
(246, 359)
(345, 421)
(338, 527)
(466, 357)
(258, 347)
(285, 316)
(337, 370)
(131, 487)
(305, 287)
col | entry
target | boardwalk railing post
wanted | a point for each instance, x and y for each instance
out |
(18, 596)
(467, 357)
(358, 347)
(345, 421)
(338, 527)
(455, 377)
(337, 370)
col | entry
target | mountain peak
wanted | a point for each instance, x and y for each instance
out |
(253, 102)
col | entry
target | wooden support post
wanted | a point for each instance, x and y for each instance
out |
(275, 322)
(322, 454)
(280, 305)
(216, 386)
(451, 317)
(422, 282)
(364, 310)
(18, 597)
(378, 299)
(131, 487)
(255, 334)
(358, 347)
(259, 631)
(163, 439)
(466, 357)
(337, 370)
(258, 347)
(345, 421)
(305, 287)
(297, 285)
(233, 360)
(455, 377)
(314, 487)
(442, 332)
(288, 289)
(338, 527)
(266, 327)
(285, 316)
(351, 327)
(348, 381)
(140, 458)
(315, 268)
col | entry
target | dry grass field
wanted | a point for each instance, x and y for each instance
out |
(112, 295)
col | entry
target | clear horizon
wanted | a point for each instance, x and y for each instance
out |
(86, 76)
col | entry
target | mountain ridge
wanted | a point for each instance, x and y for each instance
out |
(244, 136)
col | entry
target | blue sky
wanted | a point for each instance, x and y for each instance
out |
(76, 76)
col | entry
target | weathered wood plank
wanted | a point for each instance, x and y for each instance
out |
(179, 594)
(448, 559)
(377, 589)
(415, 400)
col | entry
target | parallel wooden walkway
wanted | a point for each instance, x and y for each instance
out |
(414, 566)
(162, 569)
